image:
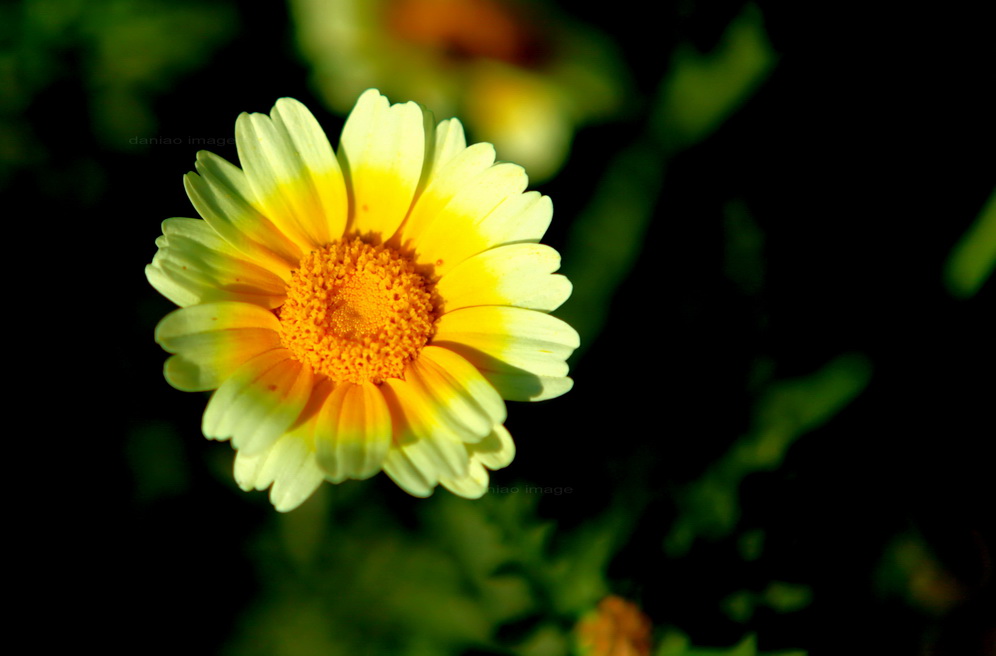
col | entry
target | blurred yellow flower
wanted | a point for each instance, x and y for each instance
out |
(616, 628)
(362, 311)
(522, 78)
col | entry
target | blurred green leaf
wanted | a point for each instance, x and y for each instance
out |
(606, 239)
(909, 571)
(786, 597)
(369, 585)
(703, 90)
(676, 643)
(739, 606)
(546, 640)
(157, 462)
(136, 49)
(744, 257)
(974, 256)
(303, 532)
(118, 54)
(779, 596)
(471, 568)
(750, 544)
(124, 52)
(697, 95)
(786, 410)
(579, 571)
(493, 555)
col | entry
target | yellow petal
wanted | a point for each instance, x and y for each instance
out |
(293, 173)
(221, 194)
(471, 486)
(259, 402)
(449, 141)
(353, 432)
(520, 385)
(381, 152)
(213, 340)
(521, 352)
(422, 433)
(459, 225)
(416, 480)
(458, 172)
(288, 465)
(494, 452)
(516, 274)
(195, 265)
(462, 399)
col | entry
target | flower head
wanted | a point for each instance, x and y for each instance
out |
(364, 310)
(617, 627)
(523, 77)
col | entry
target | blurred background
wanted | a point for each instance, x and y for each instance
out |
(780, 223)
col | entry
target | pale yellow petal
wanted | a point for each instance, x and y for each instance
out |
(259, 402)
(422, 432)
(448, 180)
(221, 194)
(213, 340)
(471, 486)
(516, 274)
(463, 400)
(506, 343)
(353, 432)
(288, 465)
(520, 385)
(496, 451)
(449, 141)
(381, 153)
(293, 173)
(522, 218)
(518, 218)
(195, 265)
(459, 228)
(319, 163)
(399, 466)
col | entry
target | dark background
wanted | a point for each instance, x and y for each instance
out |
(862, 159)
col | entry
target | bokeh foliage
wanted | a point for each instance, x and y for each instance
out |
(974, 256)
(785, 388)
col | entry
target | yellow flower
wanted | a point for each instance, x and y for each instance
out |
(364, 310)
(616, 628)
(523, 77)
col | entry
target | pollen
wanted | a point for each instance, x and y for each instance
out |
(357, 312)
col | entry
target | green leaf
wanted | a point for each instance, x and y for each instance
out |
(974, 256)
(623, 206)
(676, 643)
(710, 506)
(703, 90)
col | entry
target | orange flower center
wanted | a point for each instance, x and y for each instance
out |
(356, 312)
